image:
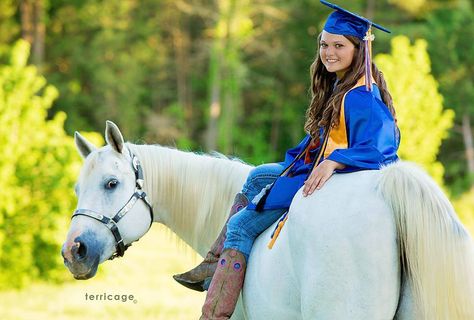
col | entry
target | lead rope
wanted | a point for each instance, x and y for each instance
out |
(284, 218)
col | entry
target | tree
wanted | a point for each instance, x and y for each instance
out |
(411, 6)
(227, 71)
(419, 106)
(37, 173)
(8, 24)
(464, 206)
(33, 27)
(451, 33)
(102, 67)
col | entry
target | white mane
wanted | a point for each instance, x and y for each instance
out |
(196, 190)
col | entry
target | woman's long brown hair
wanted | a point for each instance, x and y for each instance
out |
(326, 99)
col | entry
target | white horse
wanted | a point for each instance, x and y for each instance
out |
(376, 245)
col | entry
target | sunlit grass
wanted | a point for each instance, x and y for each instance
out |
(144, 272)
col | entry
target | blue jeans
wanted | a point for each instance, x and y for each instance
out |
(246, 225)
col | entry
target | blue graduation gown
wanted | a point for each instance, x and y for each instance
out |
(372, 139)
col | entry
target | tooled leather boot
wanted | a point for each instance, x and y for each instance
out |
(200, 276)
(225, 287)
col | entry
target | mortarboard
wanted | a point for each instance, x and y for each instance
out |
(346, 23)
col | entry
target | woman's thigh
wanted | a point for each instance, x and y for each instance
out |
(250, 223)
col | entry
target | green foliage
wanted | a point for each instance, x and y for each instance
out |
(107, 65)
(451, 36)
(8, 25)
(151, 65)
(464, 206)
(411, 6)
(423, 122)
(38, 167)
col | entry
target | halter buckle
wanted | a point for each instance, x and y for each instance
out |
(135, 163)
(111, 224)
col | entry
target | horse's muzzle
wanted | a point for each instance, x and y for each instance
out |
(82, 257)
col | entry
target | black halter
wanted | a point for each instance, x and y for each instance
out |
(111, 223)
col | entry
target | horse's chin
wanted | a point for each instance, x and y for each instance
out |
(84, 275)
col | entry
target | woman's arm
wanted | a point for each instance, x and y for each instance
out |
(372, 140)
(371, 133)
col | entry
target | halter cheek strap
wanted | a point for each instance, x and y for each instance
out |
(111, 223)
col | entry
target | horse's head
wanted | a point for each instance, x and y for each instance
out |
(112, 208)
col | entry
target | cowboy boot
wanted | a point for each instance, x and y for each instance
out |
(225, 287)
(200, 276)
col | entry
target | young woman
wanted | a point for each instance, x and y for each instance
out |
(351, 126)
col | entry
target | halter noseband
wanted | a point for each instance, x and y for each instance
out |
(111, 223)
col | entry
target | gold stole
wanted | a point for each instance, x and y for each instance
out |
(338, 135)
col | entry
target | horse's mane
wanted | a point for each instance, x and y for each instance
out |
(207, 182)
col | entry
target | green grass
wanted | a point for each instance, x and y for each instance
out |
(144, 272)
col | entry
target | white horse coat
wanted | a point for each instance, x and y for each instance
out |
(339, 254)
(336, 257)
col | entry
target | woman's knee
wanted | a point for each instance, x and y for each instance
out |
(259, 177)
(235, 223)
(265, 170)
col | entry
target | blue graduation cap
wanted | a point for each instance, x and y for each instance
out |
(346, 23)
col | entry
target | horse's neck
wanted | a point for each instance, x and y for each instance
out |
(191, 194)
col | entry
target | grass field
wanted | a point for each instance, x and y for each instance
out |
(144, 272)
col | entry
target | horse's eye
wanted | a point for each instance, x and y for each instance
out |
(111, 184)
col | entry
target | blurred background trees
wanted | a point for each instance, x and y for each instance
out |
(38, 168)
(204, 75)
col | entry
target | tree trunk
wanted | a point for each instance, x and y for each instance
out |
(27, 23)
(215, 103)
(468, 142)
(33, 28)
(370, 9)
(181, 49)
(230, 86)
(38, 42)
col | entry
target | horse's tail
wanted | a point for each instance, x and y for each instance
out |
(436, 250)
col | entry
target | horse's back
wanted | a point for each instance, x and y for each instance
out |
(336, 257)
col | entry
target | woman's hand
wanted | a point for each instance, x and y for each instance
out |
(320, 175)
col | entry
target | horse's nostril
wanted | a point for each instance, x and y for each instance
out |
(79, 250)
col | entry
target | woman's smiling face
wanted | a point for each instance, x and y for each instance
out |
(336, 53)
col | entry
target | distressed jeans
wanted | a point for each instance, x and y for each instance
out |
(246, 225)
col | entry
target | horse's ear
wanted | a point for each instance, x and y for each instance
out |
(83, 145)
(113, 136)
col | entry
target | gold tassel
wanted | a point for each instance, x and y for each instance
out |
(277, 232)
